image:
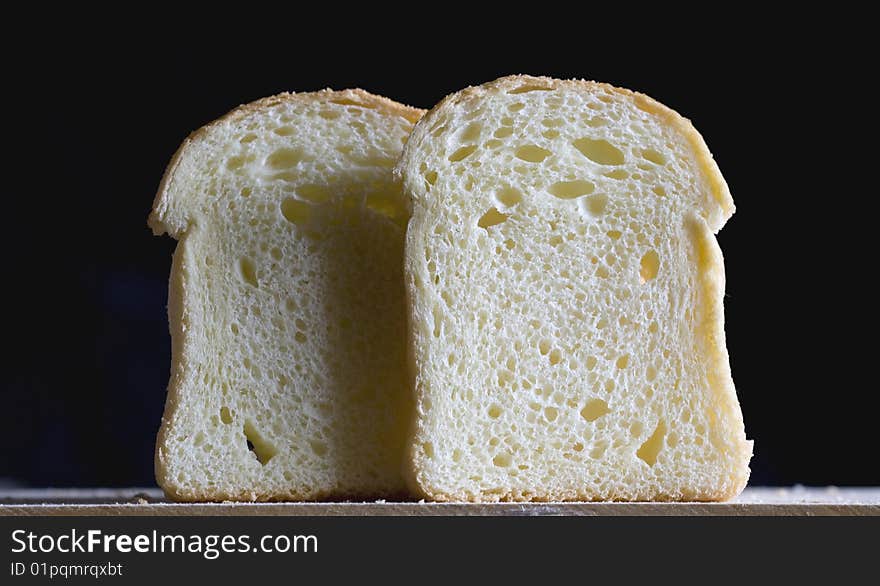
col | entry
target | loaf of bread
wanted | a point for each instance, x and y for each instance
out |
(286, 305)
(565, 290)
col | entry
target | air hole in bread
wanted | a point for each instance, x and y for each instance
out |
(532, 153)
(262, 450)
(551, 413)
(247, 138)
(300, 337)
(516, 107)
(590, 362)
(650, 373)
(350, 102)
(571, 189)
(508, 196)
(462, 153)
(599, 151)
(593, 205)
(622, 361)
(648, 266)
(544, 347)
(649, 450)
(494, 411)
(428, 449)
(659, 190)
(248, 271)
(491, 218)
(329, 114)
(594, 409)
(493, 144)
(614, 234)
(502, 460)
(235, 163)
(295, 211)
(617, 174)
(431, 177)
(555, 357)
(438, 321)
(530, 87)
(653, 156)
(550, 134)
(284, 130)
(284, 158)
(505, 378)
(471, 133)
(503, 132)
(225, 415)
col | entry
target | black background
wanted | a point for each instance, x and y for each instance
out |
(92, 118)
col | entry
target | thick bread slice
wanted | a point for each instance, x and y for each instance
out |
(566, 292)
(286, 303)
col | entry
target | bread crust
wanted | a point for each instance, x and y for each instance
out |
(713, 284)
(162, 221)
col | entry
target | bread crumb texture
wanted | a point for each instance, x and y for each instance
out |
(566, 294)
(289, 377)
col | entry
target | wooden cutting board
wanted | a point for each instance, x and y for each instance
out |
(134, 502)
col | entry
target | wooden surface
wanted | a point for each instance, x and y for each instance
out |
(134, 502)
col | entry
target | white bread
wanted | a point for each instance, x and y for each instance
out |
(565, 291)
(288, 376)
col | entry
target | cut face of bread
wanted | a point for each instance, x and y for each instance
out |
(566, 296)
(286, 304)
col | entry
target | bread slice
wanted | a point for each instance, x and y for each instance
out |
(286, 305)
(566, 293)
